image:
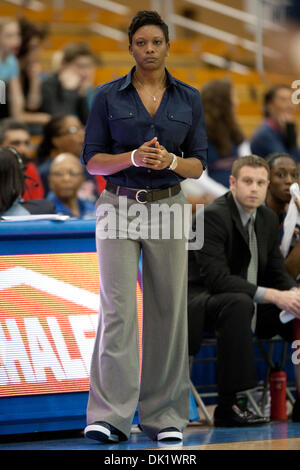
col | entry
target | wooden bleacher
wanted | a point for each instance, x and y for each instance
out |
(72, 24)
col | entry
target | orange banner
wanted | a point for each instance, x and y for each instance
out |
(48, 318)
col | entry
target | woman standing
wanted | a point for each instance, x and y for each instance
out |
(145, 134)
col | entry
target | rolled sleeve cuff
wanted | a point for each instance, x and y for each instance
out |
(259, 295)
(203, 158)
(200, 155)
(89, 150)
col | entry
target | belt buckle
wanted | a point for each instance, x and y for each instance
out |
(137, 196)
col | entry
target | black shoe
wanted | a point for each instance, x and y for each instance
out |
(234, 417)
(296, 411)
(169, 434)
(103, 432)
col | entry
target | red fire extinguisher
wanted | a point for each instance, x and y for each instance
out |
(277, 381)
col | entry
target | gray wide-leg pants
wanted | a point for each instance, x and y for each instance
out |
(116, 389)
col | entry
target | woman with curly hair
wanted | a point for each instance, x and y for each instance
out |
(226, 140)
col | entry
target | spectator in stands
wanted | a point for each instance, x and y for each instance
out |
(283, 173)
(66, 177)
(29, 57)
(10, 42)
(226, 140)
(67, 91)
(12, 185)
(278, 132)
(15, 134)
(64, 133)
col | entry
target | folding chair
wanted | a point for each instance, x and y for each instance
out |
(268, 356)
(266, 349)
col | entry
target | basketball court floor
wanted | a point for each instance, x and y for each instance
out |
(198, 436)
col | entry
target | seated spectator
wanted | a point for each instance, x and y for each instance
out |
(14, 106)
(64, 133)
(29, 57)
(283, 173)
(10, 41)
(68, 90)
(12, 185)
(15, 134)
(226, 140)
(66, 177)
(277, 133)
(238, 284)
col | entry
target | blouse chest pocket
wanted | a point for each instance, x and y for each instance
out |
(181, 117)
(122, 125)
(119, 114)
(179, 124)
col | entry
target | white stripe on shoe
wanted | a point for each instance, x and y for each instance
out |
(113, 437)
(100, 433)
(170, 435)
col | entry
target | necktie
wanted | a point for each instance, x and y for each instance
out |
(253, 265)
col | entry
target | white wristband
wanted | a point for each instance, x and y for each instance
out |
(173, 163)
(132, 157)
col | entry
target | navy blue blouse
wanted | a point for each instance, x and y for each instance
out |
(119, 123)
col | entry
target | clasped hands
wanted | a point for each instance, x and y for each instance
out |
(153, 155)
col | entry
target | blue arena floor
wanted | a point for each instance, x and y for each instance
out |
(195, 435)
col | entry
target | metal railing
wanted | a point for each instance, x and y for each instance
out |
(216, 33)
(240, 15)
(31, 4)
(108, 31)
(109, 5)
(166, 9)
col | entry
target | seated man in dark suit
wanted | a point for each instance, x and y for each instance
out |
(238, 284)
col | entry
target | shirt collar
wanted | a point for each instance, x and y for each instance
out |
(273, 124)
(128, 79)
(244, 215)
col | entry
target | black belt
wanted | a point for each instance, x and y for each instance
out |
(143, 195)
